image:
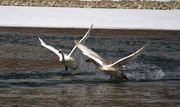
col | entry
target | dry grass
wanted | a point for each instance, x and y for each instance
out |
(124, 4)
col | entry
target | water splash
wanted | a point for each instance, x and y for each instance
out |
(140, 71)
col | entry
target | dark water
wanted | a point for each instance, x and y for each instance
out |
(30, 75)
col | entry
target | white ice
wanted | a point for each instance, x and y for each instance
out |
(54, 17)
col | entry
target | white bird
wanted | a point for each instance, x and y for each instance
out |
(106, 66)
(66, 59)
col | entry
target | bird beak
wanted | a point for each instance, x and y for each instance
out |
(60, 51)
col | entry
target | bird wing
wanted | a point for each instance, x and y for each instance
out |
(49, 47)
(130, 57)
(90, 53)
(81, 41)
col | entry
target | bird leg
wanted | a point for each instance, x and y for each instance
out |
(89, 60)
(112, 77)
(63, 59)
(124, 77)
(66, 68)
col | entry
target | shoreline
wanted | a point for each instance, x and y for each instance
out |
(94, 32)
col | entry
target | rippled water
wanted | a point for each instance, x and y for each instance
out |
(30, 75)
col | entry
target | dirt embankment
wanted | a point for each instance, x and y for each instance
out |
(124, 4)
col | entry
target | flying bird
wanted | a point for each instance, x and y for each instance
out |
(66, 59)
(112, 69)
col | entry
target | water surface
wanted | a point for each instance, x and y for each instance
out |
(31, 75)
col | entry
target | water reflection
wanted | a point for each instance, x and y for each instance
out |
(104, 94)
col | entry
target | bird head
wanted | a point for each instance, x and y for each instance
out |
(60, 50)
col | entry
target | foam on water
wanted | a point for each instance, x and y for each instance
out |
(140, 71)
